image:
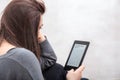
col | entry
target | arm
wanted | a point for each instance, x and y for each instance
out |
(48, 57)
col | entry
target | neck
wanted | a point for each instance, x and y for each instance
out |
(5, 46)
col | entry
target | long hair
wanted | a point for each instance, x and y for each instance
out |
(19, 24)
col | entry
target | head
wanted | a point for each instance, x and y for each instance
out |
(19, 24)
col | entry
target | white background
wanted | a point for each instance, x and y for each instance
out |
(97, 21)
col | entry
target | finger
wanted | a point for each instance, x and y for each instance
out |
(80, 69)
(72, 70)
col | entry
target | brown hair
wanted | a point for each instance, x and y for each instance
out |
(19, 24)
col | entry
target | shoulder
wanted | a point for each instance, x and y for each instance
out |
(23, 56)
(13, 69)
(21, 52)
(28, 60)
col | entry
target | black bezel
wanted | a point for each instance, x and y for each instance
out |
(77, 42)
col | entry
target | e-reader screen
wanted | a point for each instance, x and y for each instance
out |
(77, 54)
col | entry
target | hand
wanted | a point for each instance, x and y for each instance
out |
(41, 37)
(75, 75)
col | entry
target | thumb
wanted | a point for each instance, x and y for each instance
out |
(72, 70)
(80, 69)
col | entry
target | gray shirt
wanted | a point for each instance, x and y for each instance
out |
(22, 64)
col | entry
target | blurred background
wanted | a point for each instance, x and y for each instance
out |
(97, 21)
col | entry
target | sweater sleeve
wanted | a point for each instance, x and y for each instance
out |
(48, 57)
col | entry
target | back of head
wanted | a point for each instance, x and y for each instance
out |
(19, 24)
